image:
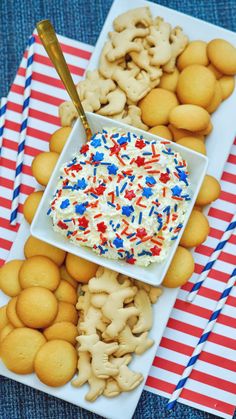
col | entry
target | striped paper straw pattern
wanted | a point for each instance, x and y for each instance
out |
(3, 108)
(212, 259)
(211, 322)
(23, 129)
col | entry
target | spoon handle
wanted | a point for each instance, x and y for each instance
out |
(50, 42)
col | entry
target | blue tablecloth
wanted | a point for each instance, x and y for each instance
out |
(81, 20)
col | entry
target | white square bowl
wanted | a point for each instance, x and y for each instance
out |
(42, 224)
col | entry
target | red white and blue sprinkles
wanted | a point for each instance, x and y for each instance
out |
(124, 196)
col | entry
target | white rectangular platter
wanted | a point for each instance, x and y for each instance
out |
(218, 146)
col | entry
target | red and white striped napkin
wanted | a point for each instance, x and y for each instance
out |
(212, 384)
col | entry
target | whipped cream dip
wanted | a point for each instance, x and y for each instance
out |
(124, 196)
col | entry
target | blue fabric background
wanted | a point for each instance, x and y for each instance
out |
(81, 20)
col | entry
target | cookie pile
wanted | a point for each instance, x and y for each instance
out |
(145, 52)
(139, 50)
(114, 320)
(38, 326)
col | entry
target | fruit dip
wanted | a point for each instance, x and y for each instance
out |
(124, 196)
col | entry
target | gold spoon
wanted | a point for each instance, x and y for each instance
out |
(50, 42)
